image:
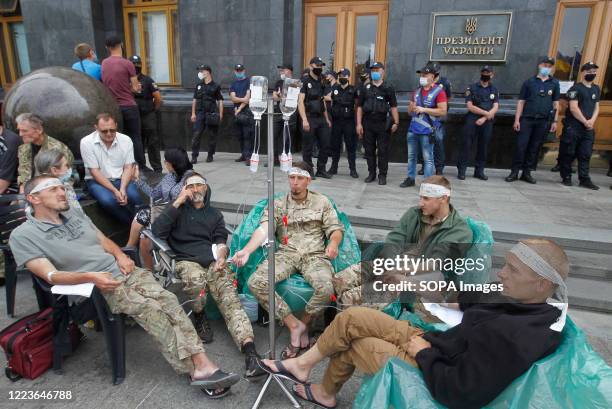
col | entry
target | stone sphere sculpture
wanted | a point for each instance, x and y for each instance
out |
(67, 101)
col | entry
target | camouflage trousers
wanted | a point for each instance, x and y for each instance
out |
(316, 269)
(219, 284)
(159, 313)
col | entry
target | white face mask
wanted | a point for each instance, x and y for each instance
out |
(201, 75)
(423, 81)
(283, 76)
(65, 178)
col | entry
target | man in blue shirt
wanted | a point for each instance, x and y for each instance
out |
(87, 61)
(536, 114)
(240, 95)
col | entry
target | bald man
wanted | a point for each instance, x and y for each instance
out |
(467, 366)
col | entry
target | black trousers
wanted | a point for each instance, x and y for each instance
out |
(131, 127)
(528, 141)
(200, 126)
(576, 144)
(246, 135)
(376, 144)
(482, 135)
(319, 132)
(278, 134)
(344, 129)
(150, 139)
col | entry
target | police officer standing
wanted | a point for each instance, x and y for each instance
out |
(343, 97)
(240, 94)
(206, 113)
(482, 99)
(315, 122)
(373, 107)
(578, 127)
(284, 71)
(536, 114)
(148, 100)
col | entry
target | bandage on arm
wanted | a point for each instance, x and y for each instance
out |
(41, 267)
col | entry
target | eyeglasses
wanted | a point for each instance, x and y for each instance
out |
(107, 131)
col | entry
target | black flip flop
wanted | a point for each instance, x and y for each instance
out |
(309, 397)
(282, 371)
(218, 380)
(211, 394)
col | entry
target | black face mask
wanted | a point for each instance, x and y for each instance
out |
(343, 81)
(317, 70)
(363, 78)
(485, 78)
(589, 77)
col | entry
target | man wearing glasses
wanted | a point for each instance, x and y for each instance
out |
(109, 168)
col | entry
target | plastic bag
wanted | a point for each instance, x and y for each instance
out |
(574, 376)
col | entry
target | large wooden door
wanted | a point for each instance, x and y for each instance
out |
(346, 34)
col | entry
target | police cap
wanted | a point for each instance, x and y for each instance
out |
(317, 61)
(332, 73)
(204, 67)
(547, 60)
(427, 69)
(377, 64)
(486, 68)
(238, 67)
(285, 67)
(136, 60)
(344, 72)
(589, 65)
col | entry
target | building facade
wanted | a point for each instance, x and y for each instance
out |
(174, 36)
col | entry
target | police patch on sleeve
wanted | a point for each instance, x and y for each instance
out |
(154, 85)
(550, 92)
(492, 96)
(335, 92)
(593, 96)
(572, 94)
(199, 87)
(309, 85)
(467, 92)
(368, 86)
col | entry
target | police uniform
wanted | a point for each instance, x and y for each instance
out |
(314, 105)
(376, 102)
(484, 98)
(576, 140)
(535, 121)
(343, 125)
(245, 121)
(308, 224)
(207, 98)
(148, 120)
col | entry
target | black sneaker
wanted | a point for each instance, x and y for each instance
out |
(323, 174)
(526, 177)
(513, 176)
(202, 327)
(567, 181)
(408, 182)
(253, 370)
(588, 183)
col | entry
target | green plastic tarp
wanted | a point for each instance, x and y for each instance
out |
(574, 376)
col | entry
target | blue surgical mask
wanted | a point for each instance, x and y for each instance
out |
(545, 71)
(65, 178)
(240, 75)
(376, 76)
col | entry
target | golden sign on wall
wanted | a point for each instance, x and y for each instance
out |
(470, 36)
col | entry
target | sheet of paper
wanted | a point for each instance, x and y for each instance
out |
(83, 290)
(447, 315)
(256, 93)
(564, 86)
(292, 97)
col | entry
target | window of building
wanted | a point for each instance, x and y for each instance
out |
(151, 31)
(14, 58)
(570, 46)
(346, 34)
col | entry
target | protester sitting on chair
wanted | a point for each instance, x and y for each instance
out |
(62, 246)
(196, 232)
(168, 189)
(35, 140)
(109, 165)
(467, 366)
(54, 163)
(304, 220)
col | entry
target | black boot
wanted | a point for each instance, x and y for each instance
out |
(194, 160)
(202, 327)
(323, 174)
(479, 174)
(588, 183)
(513, 176)
(209, 158)
(461, 174)
(567, 181)
(382, 179)
(251, 358)
(354, 173)
(526, 177)
(333, 170)
(370, 178)
(408, 182)
(556, 168)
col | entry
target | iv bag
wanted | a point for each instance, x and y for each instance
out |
(259, 95)
(289, 98)
(254, 163)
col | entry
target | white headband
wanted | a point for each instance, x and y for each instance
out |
(431, 190)
(298, 172)
(193, 180)
(46, 184)
(541, 267)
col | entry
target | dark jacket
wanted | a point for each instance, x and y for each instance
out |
(191, 232)
(471, 364)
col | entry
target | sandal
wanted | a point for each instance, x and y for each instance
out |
(213, 394)
(292, 351)
(217, 380)
(281, 372)
(309, 397)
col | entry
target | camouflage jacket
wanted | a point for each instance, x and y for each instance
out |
(26, 161)
(303, 227)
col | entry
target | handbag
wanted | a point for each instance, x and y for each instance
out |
(28, 345)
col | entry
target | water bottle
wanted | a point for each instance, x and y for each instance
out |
(289, 161)
(284, 160)
(254, 164)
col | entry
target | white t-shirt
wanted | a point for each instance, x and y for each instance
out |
(111, 160)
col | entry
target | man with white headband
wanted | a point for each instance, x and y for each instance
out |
(304, 220)
(196, 233)
(499, 338)
(62, 246)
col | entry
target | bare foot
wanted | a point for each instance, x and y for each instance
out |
(300, 372)
(299, 335)
(317, 392)
(204, 372)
